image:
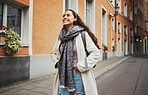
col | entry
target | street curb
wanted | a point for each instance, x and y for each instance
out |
(109, 67)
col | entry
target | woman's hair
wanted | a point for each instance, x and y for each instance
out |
(79, 22)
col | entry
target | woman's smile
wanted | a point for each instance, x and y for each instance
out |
(68, 18)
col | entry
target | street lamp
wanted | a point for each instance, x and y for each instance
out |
(116, 11)
(137, 40)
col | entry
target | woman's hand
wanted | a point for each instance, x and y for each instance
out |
(56, 65)
(76, 69)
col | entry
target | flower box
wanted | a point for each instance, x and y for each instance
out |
(2, 39)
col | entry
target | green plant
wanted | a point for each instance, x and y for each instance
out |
(105, 48)
(3, 32)
(12, 41)
(113, 48)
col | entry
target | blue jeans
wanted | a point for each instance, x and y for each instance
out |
(78, 85)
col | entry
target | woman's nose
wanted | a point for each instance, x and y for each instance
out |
(65, 17)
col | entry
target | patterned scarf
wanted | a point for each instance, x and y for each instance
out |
(66, 60)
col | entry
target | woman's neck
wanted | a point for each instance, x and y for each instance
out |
(68, 27)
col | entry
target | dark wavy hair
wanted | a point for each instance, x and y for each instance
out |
(79, 22)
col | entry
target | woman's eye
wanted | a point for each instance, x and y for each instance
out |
(68, 15)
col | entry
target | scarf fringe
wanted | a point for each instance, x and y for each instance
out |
(70, 90)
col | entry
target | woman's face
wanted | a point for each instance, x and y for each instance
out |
(68, 18)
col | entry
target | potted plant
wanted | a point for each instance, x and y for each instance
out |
(105, 48)
(3, 34)
(113, 48)
(12, 40)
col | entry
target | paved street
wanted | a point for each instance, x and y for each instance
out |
(128, 78)
(43, 85)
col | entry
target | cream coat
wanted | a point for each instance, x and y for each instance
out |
(87, 76)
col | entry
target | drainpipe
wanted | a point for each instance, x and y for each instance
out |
(115, 27)
(134, 25)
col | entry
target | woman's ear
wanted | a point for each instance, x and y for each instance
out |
(75, 19)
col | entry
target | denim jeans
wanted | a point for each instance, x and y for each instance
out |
(78, 85)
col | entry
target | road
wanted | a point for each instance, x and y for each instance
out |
(128, 78)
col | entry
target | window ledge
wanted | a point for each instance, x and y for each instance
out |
(24, 45)
(2, 44)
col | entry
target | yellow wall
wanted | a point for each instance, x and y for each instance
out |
(47, 23)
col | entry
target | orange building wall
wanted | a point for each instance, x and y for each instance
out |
(81, 8)
(47, 23)
(98, 27)
(129, 25)
(25, 2)
(98, 21)
(23, 51)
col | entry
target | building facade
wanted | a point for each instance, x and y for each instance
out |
(118, 24)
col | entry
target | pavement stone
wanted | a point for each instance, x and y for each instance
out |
(43, 85)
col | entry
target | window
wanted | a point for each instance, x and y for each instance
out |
(135, 9)
(119, 5)
(11, 17)
(131, 32)
(131, 14)
(113, 22)
(138, 19)
(142, 22)
(113, 2)
(125, 30)
(145, 12)
(14, 18)
(1, 15)
(125, 9)
(18, 17)
(142, 8)
(119, 27)
(113, 44)
(138, 4)
(89, 13)
(71, 4)
(135, 28)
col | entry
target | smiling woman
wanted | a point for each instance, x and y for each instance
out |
(69, 57)
(68, 20)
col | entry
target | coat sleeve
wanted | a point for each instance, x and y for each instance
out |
(93, 57)
(55, 52)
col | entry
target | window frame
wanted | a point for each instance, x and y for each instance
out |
(125, 9)
(92, 28)
(4, 19)
(135, 9)
(70, 5)
(119, 4)
(113, 23)
(125, 29)
(20, 17)
(26, 21)
(131, 32)
(138, 4)
(131, 14)
(119, 27)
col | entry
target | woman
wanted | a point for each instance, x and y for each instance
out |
(69, 56)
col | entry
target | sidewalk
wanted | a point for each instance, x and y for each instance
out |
(43, 85)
